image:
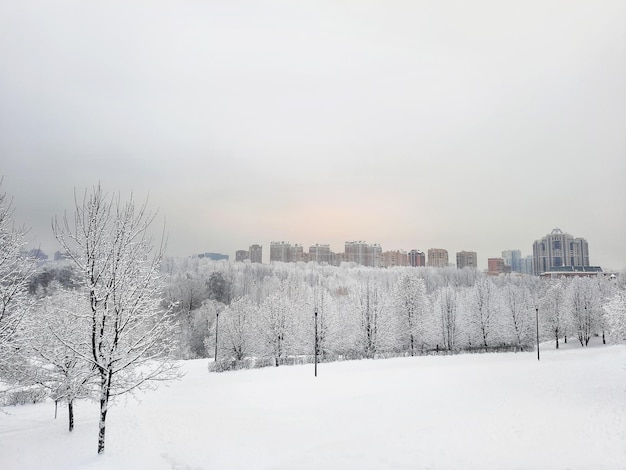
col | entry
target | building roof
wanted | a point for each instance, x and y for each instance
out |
(573, 271)
(576, 269)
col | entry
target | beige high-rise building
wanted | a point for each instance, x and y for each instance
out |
(466, 259)
(296, 254)
(437, 257)
(319, 253)
(279, 251)
(362, 253)
(395, 258)
(285, 252)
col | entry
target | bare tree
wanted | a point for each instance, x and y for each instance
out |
(129, 331)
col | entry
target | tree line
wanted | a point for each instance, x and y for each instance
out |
(269, 310)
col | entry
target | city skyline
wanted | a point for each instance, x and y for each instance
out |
(474, 126)
(374, 254)
(481, 260)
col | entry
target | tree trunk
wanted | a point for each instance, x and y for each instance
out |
(70, 414)
(102, 425)
(105, 392)
(557, 342)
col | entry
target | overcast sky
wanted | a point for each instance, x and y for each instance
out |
(465, 125)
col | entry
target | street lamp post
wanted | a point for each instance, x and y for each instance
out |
(537, 318)
(315, 313)
(217, 321)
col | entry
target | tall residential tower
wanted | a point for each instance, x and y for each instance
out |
(437, 257)
(559, 249)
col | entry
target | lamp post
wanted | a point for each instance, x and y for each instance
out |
(315, 313)
(537, 318)
(217, 321)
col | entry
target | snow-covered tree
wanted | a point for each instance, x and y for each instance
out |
(583, 301)
(411, 302)
(326, 325)
(57, 347)
(187, 293)
(615, 311)
(553, 310)
(129, 331)
(606, 289)
(220, 287)
(446, 311)
(518, 304)
(236, 329)
(481, 310)
(16, 268)
(374, 328)
(275, 324)
(197, 330)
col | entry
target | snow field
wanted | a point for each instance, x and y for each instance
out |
(483, 411)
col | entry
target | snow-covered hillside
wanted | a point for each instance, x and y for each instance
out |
(487, 411)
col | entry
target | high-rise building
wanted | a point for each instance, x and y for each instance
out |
(362, 253)
(466, 259)
(559, 249)
(437, 257)
(285, 252)
(256, 253)
(526, 265)
(319, 253)
(296, 254)
(242, 255)
(375, 255)
(417, 258)
(394, 258)
(513, 258)
(337, 258)
(280, 251)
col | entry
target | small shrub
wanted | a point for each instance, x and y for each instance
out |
(23, 396)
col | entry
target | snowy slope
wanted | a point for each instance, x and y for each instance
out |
(487, 411)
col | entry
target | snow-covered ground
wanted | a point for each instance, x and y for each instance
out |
(484, 411)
